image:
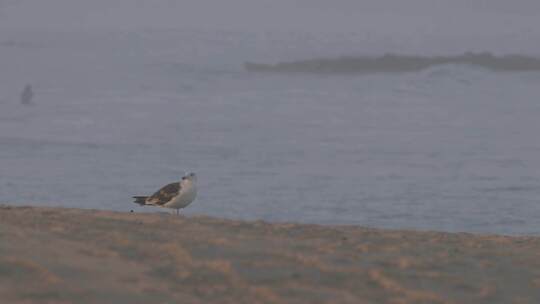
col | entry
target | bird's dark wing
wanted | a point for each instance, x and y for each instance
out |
(164, 195)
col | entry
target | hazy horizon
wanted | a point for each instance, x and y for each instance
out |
(340, 15)
(411, 26)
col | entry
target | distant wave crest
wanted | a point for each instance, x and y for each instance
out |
(399, 63)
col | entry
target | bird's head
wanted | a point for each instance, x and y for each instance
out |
(190, 176)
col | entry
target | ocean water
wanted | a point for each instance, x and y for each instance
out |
(450, 148)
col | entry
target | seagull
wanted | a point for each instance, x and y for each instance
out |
(175, 195)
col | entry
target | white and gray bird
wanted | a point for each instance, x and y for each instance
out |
(175, 195)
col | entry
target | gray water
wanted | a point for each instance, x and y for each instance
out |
(116, 114)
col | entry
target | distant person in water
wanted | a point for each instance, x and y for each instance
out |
(27, 95)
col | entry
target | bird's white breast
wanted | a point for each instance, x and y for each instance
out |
(187, 194)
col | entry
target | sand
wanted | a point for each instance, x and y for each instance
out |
(55, 255)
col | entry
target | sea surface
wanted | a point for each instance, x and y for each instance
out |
(116, 114)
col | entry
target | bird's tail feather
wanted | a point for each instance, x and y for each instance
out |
(141, 200)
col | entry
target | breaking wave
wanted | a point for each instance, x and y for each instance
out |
(399, 63)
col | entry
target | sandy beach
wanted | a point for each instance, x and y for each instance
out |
(56, 255)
